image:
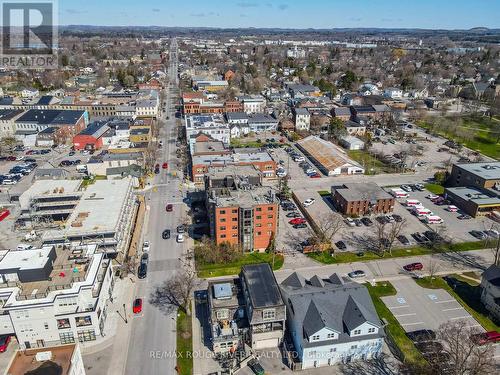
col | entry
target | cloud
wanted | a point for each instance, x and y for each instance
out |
(198, 15)
(283, 6)
(156, 10)
(247, 5)
(75, 11)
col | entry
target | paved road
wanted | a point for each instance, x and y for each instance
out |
(154, 330)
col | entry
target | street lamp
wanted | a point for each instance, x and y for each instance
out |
(125, 314)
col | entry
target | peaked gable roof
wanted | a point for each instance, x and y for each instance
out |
(295, 280)
(356, 314)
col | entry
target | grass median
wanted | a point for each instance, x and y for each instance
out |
(466, 292)
(435, 188)
(206, 270)
(394, 330)
(184, 344)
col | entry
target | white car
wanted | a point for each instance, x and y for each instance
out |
(281, 173)
(146, 246)
(308, 202)
(432, 196)
(350, 222)
(180, 238)
(299, 158)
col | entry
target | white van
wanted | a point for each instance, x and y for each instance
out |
(398, 193)
(421, 212)
(432, 219)
(412, 203)
(23, 246)
(82, 168)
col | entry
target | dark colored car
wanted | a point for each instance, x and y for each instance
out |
(293, 214)
(299, 226)
(169, 207)
(405, 241)
(181, 228)
(382, 220)
(433, 236)
(421, 335)
(256, 367)
(397, 218)
(366, 221)
(341, 245)
(142, 271)
(166, 234)
(464, 217)
(358, 222)
(413, 266)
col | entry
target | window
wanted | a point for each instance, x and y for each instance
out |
(258, 225)
(270, 208)
(357, 331)
(222, 228)
(222, 212)
(354, 346)
(258, 209)
(269, 216)
(222, 220)
(234, 235)
(258, 217)
(83, 321)
(371, 330)
(259, 233)
(234, 211)
(331, 335)
(332, 350)
(46, 325)
(234, 227)
(222, 236)
(63, 323)
(234, 219)
(86, 335)
(269, 314)
(315, 338)
(67, 338)
(222, 314)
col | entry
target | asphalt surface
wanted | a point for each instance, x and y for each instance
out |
(152, 341)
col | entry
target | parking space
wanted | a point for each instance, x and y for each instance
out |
(418, 308)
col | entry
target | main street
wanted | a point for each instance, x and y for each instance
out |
(154, 330)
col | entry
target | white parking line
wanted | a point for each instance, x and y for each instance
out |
(398, 307)
(461, 317)
(400, 315)
(411, 324)
(448, 300)
(453, 308)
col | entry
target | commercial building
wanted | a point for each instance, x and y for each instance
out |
(330, 159)
(354, 128)
(350, 142)
(358, 199)
(490, 290)
(91, 138)
(54, 295)
(99, 165)
(198, 103)
(62, 360)
(480, 175)
(103, 216)
(474, 201)
(210, 86)
(7, 120)
(241, 210)
(302, 119)
(260, 122)
(214, 126)
(330, 321)
(253, 103)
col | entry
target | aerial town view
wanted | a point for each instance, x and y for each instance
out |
(250, 187)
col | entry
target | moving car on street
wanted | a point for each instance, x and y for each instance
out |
(166, 234)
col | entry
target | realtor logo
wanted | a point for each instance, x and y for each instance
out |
(29, 34)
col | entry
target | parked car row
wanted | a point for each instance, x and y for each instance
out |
(485, 234)
(67, 163)
(17, 172)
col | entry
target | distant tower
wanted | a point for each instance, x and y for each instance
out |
(420, 42)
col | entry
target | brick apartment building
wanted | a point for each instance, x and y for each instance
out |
(197, 103)
(356, 199)
(241, 211)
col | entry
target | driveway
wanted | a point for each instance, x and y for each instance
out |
(419, 308)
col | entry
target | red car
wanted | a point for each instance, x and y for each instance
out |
(164, 165)
(486, 337)
(29, 152)
(4, 343)
(315, 175)
(169, 207)
(297, 220)
(413, 266)
(11, 158)
(137, 307)
(4, 213)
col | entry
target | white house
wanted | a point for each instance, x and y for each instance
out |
(7, 121)
(302, 119)
(490, 290)
(253, 103)
(393, 93)
(146, 108)
(331, 320)
(29, 93)
(352, 143)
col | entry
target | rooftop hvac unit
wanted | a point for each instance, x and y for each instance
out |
(43, 356)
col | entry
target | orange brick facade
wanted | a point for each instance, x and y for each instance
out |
(198, 171)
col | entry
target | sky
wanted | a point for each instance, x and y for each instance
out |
(425, 14)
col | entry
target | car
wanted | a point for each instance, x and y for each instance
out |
(419, 187)
(256, 367)
(166, 234)
(356, 274)
(390, 218)
(169, 207)
(350, 222)
(419, 238)
(137, 306)
(341, 245)
(464, 217)
(146, 246)
(142, 271)
(429, 347)
(421, 335)
(297, 220)
(479, 234)
(405, 241)
(452, 208)
(492, 233)
(71, 153)
(30, 160)
(397, 218)
(308, 202)
(432, 196)
(433, 236)
(293, 214)
(382, 220)
(181, 228)
(358, 222)
(180, 238)
(406, 188)
(366, 221)
(417, 266)
(300, 226)
(315, 175)
(485, 337)
(164, 166)
(11, 158)
(4, 342)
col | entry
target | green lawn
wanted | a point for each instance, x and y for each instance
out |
(349, 257)
(90, 181)
(393, 328)
(467, 294)
(206, 270)
(242, 143)
(184, 344)
(483, 140)
(324, 193)
(371, 164)
(435, 188)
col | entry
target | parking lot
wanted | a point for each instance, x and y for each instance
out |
(418, 308)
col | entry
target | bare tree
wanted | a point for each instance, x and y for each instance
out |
(325, 228)
(432, 267)
(393, 231)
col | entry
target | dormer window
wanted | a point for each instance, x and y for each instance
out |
(315, 338)
(357, 332)
(331, 335)
(371, 330)
(269, 314)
